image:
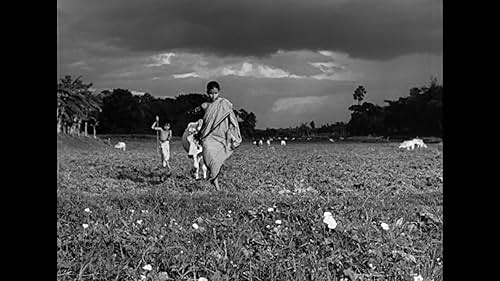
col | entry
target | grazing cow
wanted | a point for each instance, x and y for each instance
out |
(331, 140)
(121, 145)
(194, 148)
(420, 143)
(410, 144)
(283, 142)
(260, 142)
(268, 142)
(255, 142)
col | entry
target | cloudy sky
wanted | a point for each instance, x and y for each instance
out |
(288, 61)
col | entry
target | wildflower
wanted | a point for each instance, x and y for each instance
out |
(384, 226)
(278, 221)
(270, 209)
(132, 211)
(142, 277)
(148, 267)
(139, 221)
(418, 278)
(195, 226)
(85, 225)
(229, 211)
(87, 210)
(329, 220)
(145, 211)
(202, 279)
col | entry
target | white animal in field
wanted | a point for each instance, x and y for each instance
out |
(293, 139)
(121, 145)
(308, 139)
(268, 142)
(255, 142)
(283, 142)
(410, 144)
(194, 149)
(286, 138)
(260, 142)
(331, 140)
(341, 138)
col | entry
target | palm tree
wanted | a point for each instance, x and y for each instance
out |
(75, 102)
(359, 94)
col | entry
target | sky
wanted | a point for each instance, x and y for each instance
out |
(288, 61)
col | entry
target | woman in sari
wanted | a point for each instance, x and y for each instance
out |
(220, 133)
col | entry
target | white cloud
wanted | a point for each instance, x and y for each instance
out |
(161, 59)
(298, 104)
(244, 69)
(185, 75)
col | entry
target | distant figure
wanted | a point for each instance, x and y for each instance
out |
(286, 138)
(121, 145)
(194, 148)
(260, 142)
(268, 142)
(165, 137)
(220, 133)
(255, 142)
(331, 140)
(293, 139)
(283, 142)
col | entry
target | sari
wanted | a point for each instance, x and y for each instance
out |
(220, 135)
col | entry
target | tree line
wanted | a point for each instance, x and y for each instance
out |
(418, 114)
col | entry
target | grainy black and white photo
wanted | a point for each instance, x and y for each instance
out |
(249, 140)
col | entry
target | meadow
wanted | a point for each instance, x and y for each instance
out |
(121, 217)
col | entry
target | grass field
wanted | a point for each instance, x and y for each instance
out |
(119, 217)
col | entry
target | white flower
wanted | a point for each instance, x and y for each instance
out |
(278, 221)
(139, 221)
(329, 220)
(85, 225)
(384, 226)
(418, 278)
(229, 211)
(145, 211)
(148, 267)
(132, 211)
(270, 209)
(195, 226)
(202, 279)
(142, 277)
(87, 210)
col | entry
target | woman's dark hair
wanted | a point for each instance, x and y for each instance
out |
(213, 84)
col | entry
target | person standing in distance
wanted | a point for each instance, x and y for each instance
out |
(165, 137)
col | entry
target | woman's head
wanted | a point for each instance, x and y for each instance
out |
(213, 89)
(166, 126)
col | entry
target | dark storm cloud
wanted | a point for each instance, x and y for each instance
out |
(362, 29)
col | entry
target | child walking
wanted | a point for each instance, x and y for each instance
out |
(165, 137)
